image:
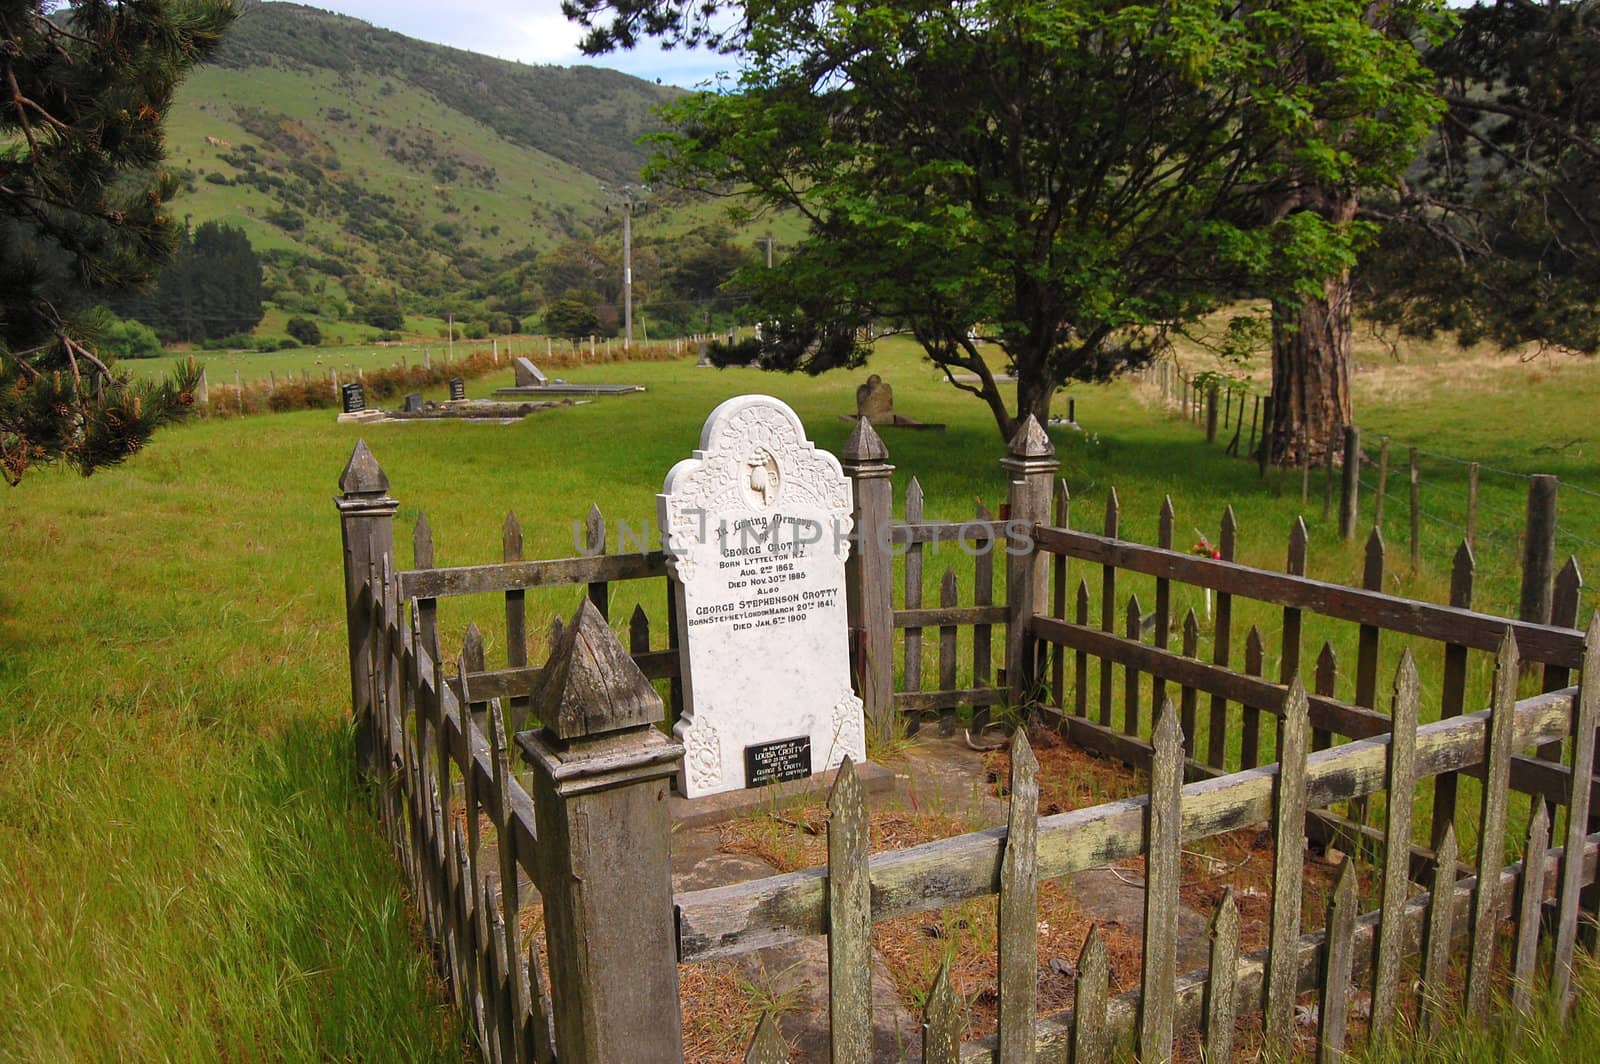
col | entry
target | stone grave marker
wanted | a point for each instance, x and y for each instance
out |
(756, 527)
(458, 389)
(529, 375)
(414, 403)
(355, 398)
(875, 401)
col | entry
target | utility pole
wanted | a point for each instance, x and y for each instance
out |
(627, 272)
(630, 196)
(767, 240)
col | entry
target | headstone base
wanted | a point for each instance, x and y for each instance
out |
(361, 417)
(730, 805)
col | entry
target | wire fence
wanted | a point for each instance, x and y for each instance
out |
(1425, 500)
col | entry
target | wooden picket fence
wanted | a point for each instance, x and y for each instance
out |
(543, 880)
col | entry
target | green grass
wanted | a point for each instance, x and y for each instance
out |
(186, 867)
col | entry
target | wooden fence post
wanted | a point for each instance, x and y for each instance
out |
(1472, 505)
(1350, 485)
(1030, 468)
(366, 520)
(1383, 482)
(869, 574)
(1416, 513)
(1264, 456)
(1211, 414)
(600, 783)
(1539, 550)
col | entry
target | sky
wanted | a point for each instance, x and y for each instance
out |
(532, 31)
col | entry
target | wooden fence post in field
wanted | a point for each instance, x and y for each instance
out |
(1539, 550)
(1264, 455)
(1383, 482)
(1350, 484)
(600, 779)
(1030, 466)
(1327, 482)
(869, 574)
(1416, 513)
(1472, 505)
(1255, 415)
(1211, 414)
(366, 520)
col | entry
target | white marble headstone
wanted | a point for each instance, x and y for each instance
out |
(756, 528)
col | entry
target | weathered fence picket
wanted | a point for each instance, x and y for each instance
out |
(1288, 869)
(1221, 1002)
(849, 921)
(1017, 962)
(1492, 826)
(1338, 959)
(1400, 787)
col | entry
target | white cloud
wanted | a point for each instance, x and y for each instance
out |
(533, 31)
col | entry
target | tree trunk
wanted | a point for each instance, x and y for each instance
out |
(1311, 374)
(1034, 392)
(1311, 356)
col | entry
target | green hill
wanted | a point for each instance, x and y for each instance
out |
(362, 163)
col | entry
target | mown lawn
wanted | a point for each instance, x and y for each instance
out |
(187, 868)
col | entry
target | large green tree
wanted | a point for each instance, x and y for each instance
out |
(84, 213)
(1496, 234)
(212, 287)
(1071, 179)
(1367, 99)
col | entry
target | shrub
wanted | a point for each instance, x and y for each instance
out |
(388, 318)
(129, 339)
(743, 353)
(233, 341)
(305, 331)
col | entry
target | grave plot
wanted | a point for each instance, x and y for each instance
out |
(457, 408)
(531, 383)
(1305, 866)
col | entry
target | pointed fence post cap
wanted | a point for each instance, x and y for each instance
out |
(865, 445)
(362, 474)
(1031, 440)
(591, 686)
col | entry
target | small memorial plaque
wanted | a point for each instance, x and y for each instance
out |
(414, 403)
(778, 761)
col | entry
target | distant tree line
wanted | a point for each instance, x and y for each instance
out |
(212, 288)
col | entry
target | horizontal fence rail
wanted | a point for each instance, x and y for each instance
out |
(1481, 631)
(727, 921)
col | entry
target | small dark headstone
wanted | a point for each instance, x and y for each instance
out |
(355, 397)
(458, 388)
(414, 403)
